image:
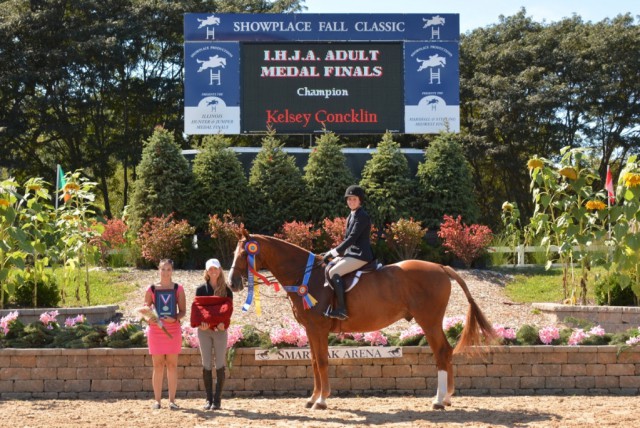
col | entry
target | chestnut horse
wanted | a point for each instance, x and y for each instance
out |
(408, 289)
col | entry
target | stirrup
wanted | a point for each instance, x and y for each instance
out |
(340, 314)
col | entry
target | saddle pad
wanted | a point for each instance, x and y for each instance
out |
(351, 279)
(211, 309)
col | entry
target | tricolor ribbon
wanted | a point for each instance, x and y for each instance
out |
(252, 249)
(302, 290)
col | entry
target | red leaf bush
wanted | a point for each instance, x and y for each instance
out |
(466, 242)
(163, 237)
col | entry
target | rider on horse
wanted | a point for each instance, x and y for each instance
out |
(354, 251)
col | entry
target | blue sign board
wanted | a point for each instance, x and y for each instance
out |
(306, 73)
(270, 27)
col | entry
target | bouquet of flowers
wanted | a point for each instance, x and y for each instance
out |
(149, 314)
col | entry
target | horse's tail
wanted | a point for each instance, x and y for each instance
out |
(476, 324)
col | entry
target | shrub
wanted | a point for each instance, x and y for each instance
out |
(163, 237)
(326, 177)
(48, 293)
(445, 183)
(334, 230)
(113, 237)
(607, 291)
(299, 233)
(404, 237)
(278, 186)
(466, 242)
(528, 335)
(387, 184)
(220, 179)
(164, 182)
(224, 232)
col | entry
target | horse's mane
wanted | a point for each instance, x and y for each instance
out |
(283, 242)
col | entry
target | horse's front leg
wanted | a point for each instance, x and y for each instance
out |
(321, 357)
(316, 380)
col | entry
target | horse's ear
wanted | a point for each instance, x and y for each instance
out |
(243, 233)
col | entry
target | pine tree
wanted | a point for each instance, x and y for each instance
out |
(326, 177)
(386, 181)
(277, 185)
(165, 183)
(445, 183)
(220, 181)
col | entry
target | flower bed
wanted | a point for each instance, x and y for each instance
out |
(76, 332)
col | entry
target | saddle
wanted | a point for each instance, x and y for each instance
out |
(351, 279)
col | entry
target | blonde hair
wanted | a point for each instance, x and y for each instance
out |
(220, 288)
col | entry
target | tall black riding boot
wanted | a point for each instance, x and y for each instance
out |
(339, 312)
(207, 377)
(217, 397)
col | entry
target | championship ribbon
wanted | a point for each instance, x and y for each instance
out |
(302, 290)
(252, 249)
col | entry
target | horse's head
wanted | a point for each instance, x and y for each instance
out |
(247, 245)
(238, 271)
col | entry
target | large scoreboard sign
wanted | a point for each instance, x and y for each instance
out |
(305, 73)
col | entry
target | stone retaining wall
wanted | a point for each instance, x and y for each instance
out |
(508, 370)
(612, 318)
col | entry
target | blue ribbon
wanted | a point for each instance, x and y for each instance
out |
(303, 289)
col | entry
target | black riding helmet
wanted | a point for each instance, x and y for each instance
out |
(355, 190)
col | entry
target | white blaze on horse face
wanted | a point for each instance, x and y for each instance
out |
(235, 257)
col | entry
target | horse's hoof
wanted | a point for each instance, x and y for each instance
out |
(437, 406)
(308, 404)
(447, 403)
(319, 406)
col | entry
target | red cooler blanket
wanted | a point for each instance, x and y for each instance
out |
(212, 310)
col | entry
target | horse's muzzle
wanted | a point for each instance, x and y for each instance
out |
(237, 283)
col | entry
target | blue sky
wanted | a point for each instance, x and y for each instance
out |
(480, 13)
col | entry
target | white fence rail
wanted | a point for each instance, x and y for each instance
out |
(520, 251)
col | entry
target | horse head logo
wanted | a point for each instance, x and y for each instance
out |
(212, 62)
(209, 20)
(433, 61)
(435, 20)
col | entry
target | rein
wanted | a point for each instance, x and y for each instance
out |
(252, 248)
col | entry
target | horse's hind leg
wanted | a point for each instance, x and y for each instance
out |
(442, 353)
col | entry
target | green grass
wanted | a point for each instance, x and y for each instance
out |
(106, 287)
(536, 284)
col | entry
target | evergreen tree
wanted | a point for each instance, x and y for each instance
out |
(220, 181)
(387, 183)
(165, 183)
(277, 185)
(445, 183)
(326, 177)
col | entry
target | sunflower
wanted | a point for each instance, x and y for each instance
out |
(595, 205)
(568, 172)
(507, 207)
(70, 187)
(535, 163)
(632, 179)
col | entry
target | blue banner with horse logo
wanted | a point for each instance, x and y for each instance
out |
(432, 87)
(212, 88)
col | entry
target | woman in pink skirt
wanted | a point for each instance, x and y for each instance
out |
(168, 299)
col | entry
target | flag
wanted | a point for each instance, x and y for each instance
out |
(608, 184)
(60, 183)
